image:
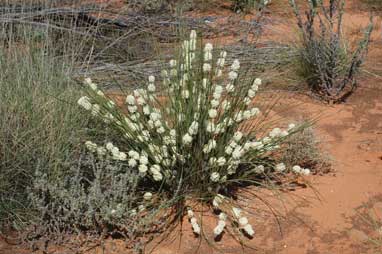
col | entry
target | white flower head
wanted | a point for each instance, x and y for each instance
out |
(190, 213)
(221, 161)
(276, 132)
(243, 221)
(161, 130)
(255, 111)
(230, 88)
(195, 227)
(207, 67)
(95, 109)
(247, 114)
(219, 228)
(209, 146)
(221, 62)
(212, 113)
(259, 169)
(237, 136)
(187, 139)
(101, 151)
(146, 110)
(151, 79)
(218, 199)
(210, 127)
(251, 93)
(172, 63)
(236, 212)
(185, 94)
(237, 153)
(208, 47)
(193, 34)
(193, 129)
(232, 75)
(228, 150)
(215, 176)
(142, 168)
(280, 167)
(235, 65)
(130, 99)
(121, 156)
(157, 176)
(91, 146)
(222, 216)
(249, 230)
(207, 56)
(147, 196)
(204, 83)
(132, 163)
(291, 126)
(88, 81)
(141, 101)
(297, 169)
(132, 109)
(214, 103)
(84, 102)
(151, 87)
(257, 82)
(100, 93)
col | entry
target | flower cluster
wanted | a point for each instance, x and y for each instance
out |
(193, 221)
(195, 137)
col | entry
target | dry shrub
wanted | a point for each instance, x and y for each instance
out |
(328, 65)
(304, 149)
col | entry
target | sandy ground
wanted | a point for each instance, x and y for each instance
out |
(317, 224)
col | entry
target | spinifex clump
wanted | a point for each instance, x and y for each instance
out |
(192, 137)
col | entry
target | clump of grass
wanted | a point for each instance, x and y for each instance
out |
(327, 63)
(304, 149)
(197, 136)
(38, 118)
(368, 219)
(247, 5)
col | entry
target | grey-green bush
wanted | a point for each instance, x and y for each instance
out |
(328, 64)
(95, 195)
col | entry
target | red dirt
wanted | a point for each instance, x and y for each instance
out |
(351, 133)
